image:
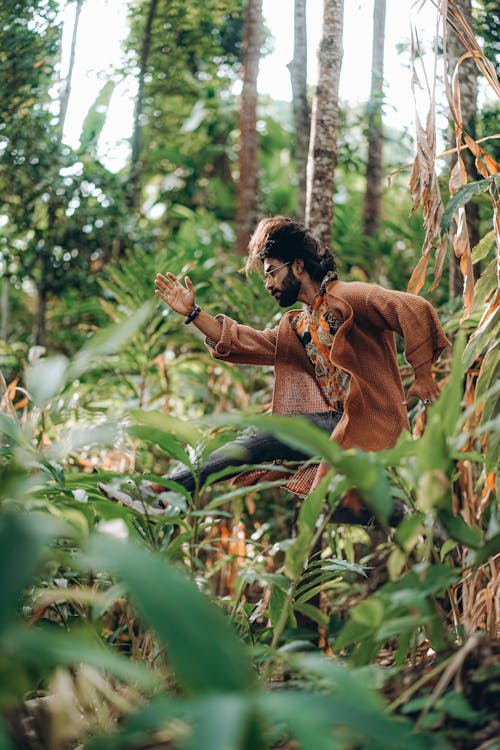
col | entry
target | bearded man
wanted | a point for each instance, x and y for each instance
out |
(334, 359)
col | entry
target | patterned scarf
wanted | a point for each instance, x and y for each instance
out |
(316, 328)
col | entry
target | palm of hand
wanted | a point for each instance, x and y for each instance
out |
(170, 290)
(181, 300)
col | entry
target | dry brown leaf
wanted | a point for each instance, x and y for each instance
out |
(461, 238)
(417, 278)
(458, 176)
(492, 165)
(488, 313)
(440, 256)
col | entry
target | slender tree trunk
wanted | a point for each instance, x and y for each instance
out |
(246, 196)
(323, 146)
(134, 188)
(301, 114)
(42, 288)
(373, 196)
(468, 103)
(4, 317)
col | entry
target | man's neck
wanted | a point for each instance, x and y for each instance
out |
(308, 290)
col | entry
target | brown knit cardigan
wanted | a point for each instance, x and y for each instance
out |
(364, 346)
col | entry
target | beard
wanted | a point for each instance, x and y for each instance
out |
(289, 291)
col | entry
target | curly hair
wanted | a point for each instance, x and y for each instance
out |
(285, 239)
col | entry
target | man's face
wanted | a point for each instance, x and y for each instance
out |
(281, 282)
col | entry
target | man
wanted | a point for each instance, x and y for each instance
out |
(334, 360)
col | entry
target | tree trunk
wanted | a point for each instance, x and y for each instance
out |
(301, 114)
(323, 147)
(134, 188)
(4, 316)
(468, 101)
(246, 197)
(42, 288)
(373, 196)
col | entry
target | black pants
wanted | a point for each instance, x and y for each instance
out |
(261, 447)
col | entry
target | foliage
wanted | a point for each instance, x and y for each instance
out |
(188, 118)
(67, 581)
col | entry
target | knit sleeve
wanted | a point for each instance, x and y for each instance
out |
(242, 344)
(411, 317)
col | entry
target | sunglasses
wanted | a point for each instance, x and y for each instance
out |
(269, 275)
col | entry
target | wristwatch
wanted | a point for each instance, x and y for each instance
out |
(192, 315)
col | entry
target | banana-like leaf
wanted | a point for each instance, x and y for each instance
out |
(96, 118)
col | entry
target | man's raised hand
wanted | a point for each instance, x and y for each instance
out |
(180, 298)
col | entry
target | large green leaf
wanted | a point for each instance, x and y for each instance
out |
(297, 432)
(433, 450)
(322, 721)
(164, 440)
(96, 117)
(46, 379)
(22, 542)
(299, 551)
(201, 646)
(51, 648)
(168, 426)
(459, 530)
(463, 196)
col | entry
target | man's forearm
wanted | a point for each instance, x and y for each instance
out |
(210, 326)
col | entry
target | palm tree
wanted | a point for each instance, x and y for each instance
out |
(246, 196)
(301, 113)
(323, 145)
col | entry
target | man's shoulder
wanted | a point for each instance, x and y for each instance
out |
(350, 290)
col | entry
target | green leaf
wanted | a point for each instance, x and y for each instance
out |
(277, 601)
(463, 196)
(366, 472)
(484, 247)
(22, 542)
(170, 427)
(310, 719)
(294, 431)
(313, 613)
(96, 117)
(460, 531)
(49, 648)
(455, 705)
(220, 722)
(5, 742)
(164, 441)
(432, 450)
(299, 551)
(397, 626)
(489, 550)
(46, 379)
(369, 613)
(202, 648)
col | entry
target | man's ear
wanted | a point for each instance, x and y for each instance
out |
(298, 265)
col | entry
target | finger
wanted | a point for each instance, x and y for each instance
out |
(189, 283)
(163, 283)
(173, 279)
(161, 295)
